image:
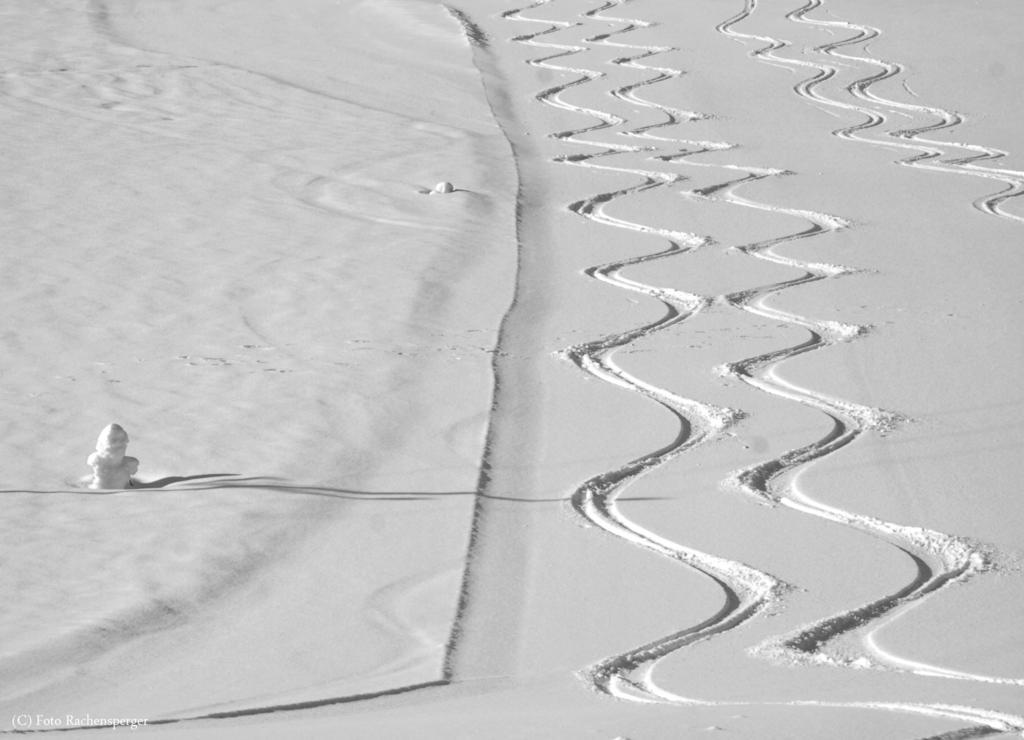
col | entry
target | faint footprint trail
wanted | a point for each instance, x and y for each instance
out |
(746, 591)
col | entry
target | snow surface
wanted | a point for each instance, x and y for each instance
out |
(692, 405)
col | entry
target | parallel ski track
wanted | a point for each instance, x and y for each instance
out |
(747, 592)
(960, 158)
(940, 559)
(932, 149)
(628, 675)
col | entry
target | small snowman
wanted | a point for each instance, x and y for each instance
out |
(110, 467)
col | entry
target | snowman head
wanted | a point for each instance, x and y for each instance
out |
(113, 441)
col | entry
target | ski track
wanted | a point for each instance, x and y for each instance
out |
(928, 154)
(939, 559)
(747, 592)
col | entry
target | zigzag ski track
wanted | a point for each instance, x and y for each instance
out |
(638, 140)
(938, 559)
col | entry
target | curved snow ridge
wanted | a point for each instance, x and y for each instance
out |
(331, 193)
(926, 669)
(611, 273)
(747, 591)
(981, 721)
(960, 158)
(940, 559)
(982, 718)
(592, 207)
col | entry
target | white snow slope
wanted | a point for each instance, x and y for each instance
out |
(692, 408)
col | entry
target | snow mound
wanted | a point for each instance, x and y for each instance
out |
(111, 469)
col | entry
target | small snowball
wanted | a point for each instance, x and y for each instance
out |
(443, 187)
(111, 468)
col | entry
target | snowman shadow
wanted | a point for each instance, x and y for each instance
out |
(171, 480)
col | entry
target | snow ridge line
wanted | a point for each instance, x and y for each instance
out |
(313, 193)
(257, 710)
(748, 592)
